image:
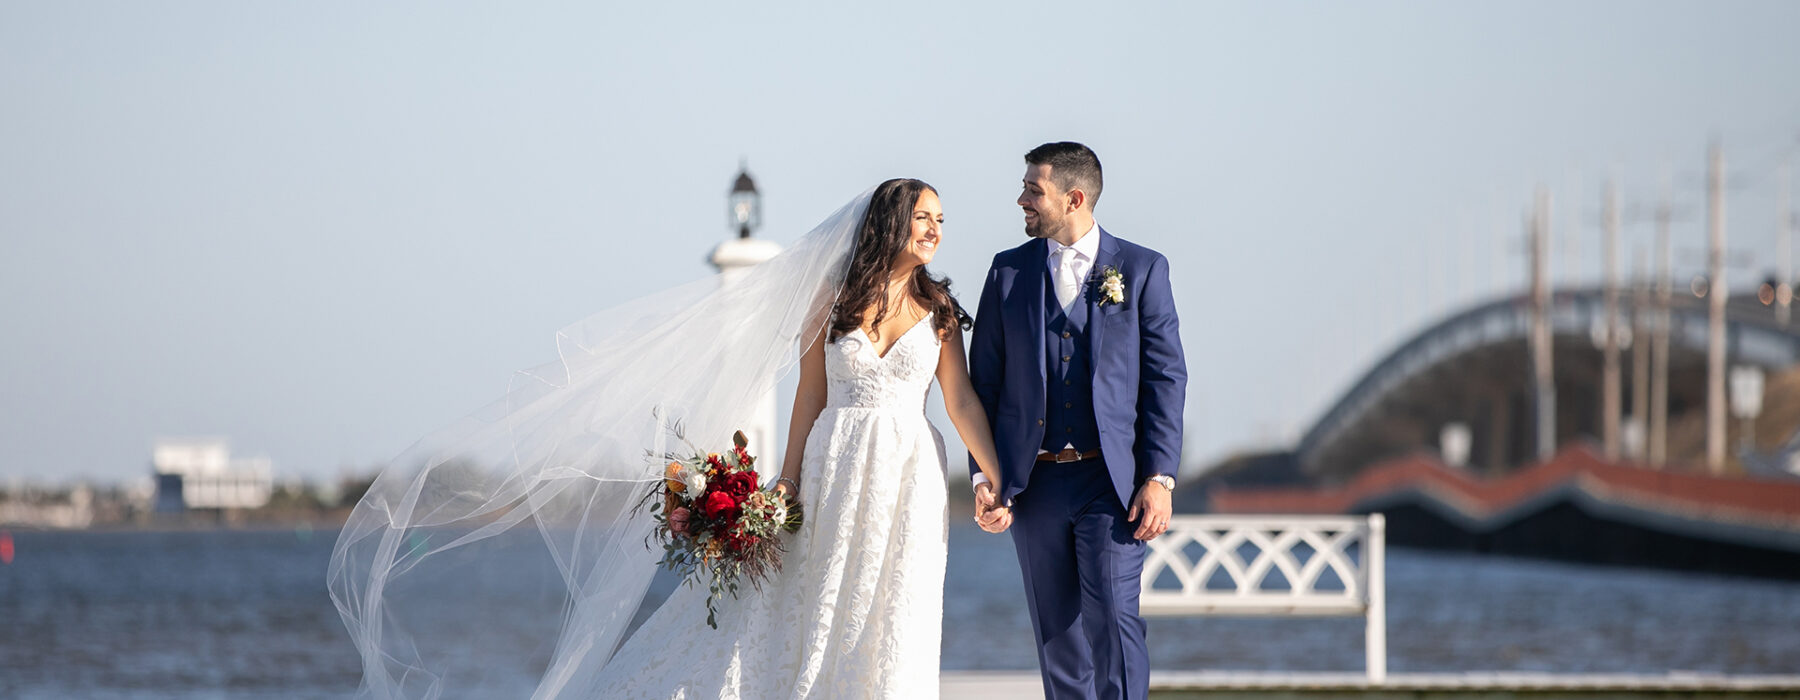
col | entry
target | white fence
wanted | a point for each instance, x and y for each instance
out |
(1326, 543)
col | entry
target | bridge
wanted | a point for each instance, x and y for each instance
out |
(1474, 368)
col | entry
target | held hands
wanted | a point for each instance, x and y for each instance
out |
(1150, 509)
(1151, 502)
(990, 516)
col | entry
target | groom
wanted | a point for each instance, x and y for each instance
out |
(1078, 362)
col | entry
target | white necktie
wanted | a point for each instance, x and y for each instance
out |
(1067, 286)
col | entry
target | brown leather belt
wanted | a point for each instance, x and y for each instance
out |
(1067, 455)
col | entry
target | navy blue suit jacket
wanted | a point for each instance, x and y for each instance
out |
(1139, 373)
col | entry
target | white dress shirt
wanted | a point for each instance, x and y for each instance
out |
(1086, 251)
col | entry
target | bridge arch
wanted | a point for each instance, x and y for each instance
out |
(1474, 368)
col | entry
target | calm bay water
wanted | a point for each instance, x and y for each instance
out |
(245, 614)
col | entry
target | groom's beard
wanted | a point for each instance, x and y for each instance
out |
(1043, 228)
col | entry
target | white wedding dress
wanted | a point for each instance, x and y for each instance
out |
(855, 611)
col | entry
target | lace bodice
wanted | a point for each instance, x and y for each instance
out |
(858, 378)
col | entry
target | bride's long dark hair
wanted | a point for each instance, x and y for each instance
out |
(884, 232)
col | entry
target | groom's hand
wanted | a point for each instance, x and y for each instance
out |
(995, 520)
(1152, 504)
(990, 518)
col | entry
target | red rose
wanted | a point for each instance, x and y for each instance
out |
(719, 506)
(738, 542)
(739, 485)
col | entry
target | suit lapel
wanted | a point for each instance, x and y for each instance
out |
(1036, 258)
(1096, 322)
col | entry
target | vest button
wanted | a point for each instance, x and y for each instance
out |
(1065, 334)
(1069, 404)
(1040, 421)
(1065, 358)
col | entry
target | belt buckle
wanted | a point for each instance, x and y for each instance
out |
(1067, 455)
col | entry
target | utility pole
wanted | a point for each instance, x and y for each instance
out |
(1784, 244)
(1659, 350)
(1543, 385)
(1660, 333)
(1640, 351)
(1715, 319)
(1609, 377)
(1571, 240)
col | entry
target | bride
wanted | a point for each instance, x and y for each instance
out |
(855, 609)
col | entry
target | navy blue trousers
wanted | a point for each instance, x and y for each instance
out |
(1081, 568)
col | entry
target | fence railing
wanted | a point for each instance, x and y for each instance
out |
(1206, 555)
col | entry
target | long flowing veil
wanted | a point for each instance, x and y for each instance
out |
(554, 468)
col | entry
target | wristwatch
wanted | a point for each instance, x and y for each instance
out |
(1168, 482)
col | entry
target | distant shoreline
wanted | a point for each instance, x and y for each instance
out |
(333, 520)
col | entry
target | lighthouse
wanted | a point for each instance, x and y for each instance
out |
(734, 255)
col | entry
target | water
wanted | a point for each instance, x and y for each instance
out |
(188, 614)
(245, 615)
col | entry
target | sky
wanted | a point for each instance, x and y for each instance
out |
(324, 229)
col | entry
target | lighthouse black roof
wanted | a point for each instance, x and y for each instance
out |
(744, 183)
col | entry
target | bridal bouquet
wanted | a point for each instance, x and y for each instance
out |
(715, 521)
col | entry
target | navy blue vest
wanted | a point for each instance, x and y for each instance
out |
(1069, 402)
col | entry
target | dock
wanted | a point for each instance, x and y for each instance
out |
(1172, 685)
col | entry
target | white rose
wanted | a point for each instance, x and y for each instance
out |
(696, 482)
(780, 514)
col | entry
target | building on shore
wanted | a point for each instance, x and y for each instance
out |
(55, 509)
(199, 473)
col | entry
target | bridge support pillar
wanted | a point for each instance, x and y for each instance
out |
(1500, 437)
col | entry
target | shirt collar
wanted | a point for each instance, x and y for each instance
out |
(1088, 246)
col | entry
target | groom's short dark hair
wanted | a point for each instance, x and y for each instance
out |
(1072, 166)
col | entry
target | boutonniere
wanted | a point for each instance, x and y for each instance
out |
(1112, 286)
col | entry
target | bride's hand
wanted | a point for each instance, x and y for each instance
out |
(990, 516)
(984, 498)
(787, 490)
